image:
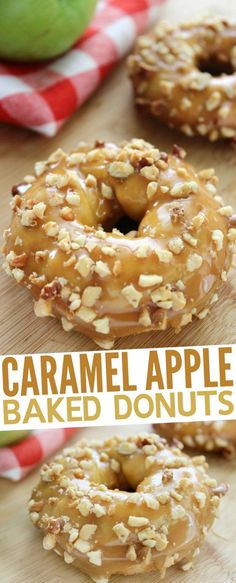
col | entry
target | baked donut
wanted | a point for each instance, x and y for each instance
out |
(178, 75)
(63, 246)
(125, 506)
(210, 436)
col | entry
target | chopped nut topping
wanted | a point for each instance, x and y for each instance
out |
(201, 315)
(176, 245)
(106, 191)
(178, 512)
(82, 546)
(181, 189)
(58, 180)
(186, 319)
(90, 296)
(34, 516)
(84, 265)
(131, 553)
(228, 132)
(86, 314)
(56, 156)
(91, 181)
(149, 280)
(150, 173)
(213, 101)
(98, 510)
(55, 199)
(121, 532)
(194, 262)
(73, 198)
(66, 324)
(162, 297)
(117, 268)
(185, 103)
(152, 189)
(51, 290)
(40, 168)
(120, 169)
(200, 498)
(18, 274)
(231, 236)
(127, 448)
(226, 211)
(28, 218)
(198, 220)
(164, 498)
(84, 507)
(164, 255)
(68, 558)
(142, 251)
(188, 238)
(218, 238)
(87, 531)
(211, 188)
(76, 158)
(95, 557)
(132, 295)
(106, 250)
(178, 301)
(39, 209)
(145, 319)
(102, 269)
(187, 566)
(115, 466)
(51, 229)
(49, 542)
(102, 325)
(137, 521)
(42, 308)
(67, 214)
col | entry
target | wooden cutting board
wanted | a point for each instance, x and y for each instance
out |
(110, 115)
(23, 560)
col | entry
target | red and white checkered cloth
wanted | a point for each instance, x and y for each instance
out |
(43, 96)
(17, 460)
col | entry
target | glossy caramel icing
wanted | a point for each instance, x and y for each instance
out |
(63, 244)
(125, 506)
(178, 76)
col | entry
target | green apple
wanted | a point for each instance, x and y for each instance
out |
(7, 437)
(32, 30)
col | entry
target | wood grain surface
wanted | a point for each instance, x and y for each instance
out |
(110, 115)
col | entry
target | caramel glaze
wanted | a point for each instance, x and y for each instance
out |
(168, 81)
(212, 436)
(125, 507)
(62, 245)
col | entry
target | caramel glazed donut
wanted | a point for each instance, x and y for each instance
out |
(125, 507)
(107, 284)
(212, 436)
(169, 83)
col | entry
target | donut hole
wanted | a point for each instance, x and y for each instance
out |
(126, 225)
(132, 472)
(216, 67)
